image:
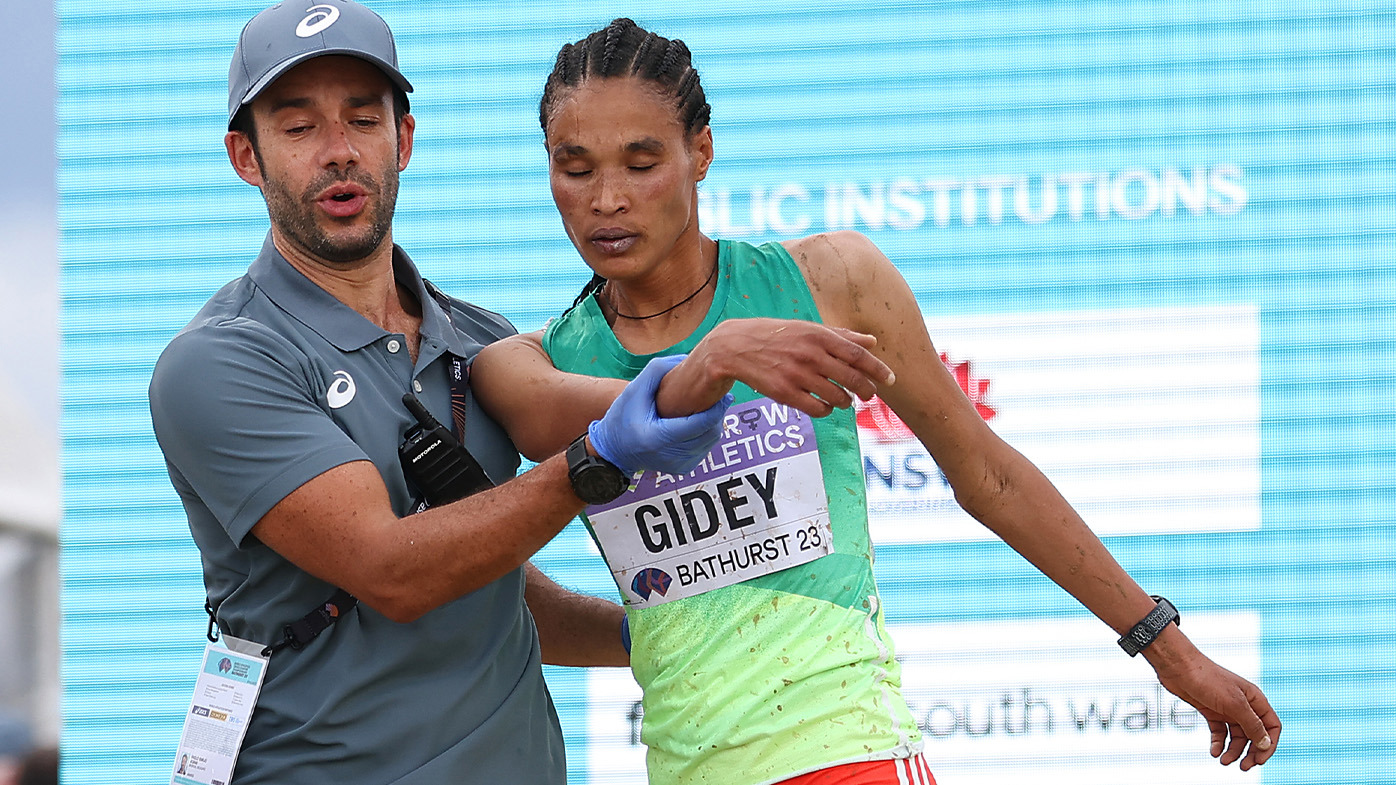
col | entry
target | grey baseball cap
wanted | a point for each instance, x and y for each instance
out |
(289, 33)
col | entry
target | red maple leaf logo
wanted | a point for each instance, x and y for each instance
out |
(877, 418)
(974, 388)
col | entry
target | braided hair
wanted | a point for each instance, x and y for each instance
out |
(623, 48)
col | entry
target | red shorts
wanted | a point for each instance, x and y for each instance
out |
(906, 771)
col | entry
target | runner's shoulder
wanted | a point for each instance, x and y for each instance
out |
(838, 252)
(837, 267)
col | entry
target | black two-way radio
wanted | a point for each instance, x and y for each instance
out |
(441, 467)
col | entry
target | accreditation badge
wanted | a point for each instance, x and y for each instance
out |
(755, 505)
(224, 696)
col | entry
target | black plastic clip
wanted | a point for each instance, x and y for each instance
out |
(213, 633)
(299, 633)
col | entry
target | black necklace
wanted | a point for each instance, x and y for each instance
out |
(711, 276)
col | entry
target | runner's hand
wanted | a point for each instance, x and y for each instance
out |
(1237, 712)
(801, 364)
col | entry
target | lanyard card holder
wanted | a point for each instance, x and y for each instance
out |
(225, 694)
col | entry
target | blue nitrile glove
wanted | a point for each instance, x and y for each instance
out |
(633, 436)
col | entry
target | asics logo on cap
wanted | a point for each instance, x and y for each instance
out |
(341, 390)
(319, 17)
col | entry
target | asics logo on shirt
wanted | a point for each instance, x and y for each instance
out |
(319, 17)
(341, 390)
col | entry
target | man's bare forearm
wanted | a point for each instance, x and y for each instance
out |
(574, 629)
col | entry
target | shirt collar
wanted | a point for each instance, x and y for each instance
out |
(334, 321)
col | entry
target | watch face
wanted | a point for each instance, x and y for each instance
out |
(594, 480)
(598, 483)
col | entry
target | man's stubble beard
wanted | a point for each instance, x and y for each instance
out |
(295, 216)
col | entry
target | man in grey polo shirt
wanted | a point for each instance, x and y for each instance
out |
(279, 410)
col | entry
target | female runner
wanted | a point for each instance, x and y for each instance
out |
(758, 634)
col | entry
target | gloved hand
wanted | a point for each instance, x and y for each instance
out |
(633, 436)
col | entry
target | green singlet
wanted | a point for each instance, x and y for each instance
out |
(780, 674)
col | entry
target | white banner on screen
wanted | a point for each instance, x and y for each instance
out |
(1148, 421)
(1061, 705)
(1055, 701)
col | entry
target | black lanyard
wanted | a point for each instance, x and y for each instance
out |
(458, 371)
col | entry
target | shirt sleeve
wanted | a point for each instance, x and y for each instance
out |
(240, 421)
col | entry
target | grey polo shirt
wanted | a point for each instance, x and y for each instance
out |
(273, 383)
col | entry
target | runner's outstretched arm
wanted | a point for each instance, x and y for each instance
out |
(857, 287)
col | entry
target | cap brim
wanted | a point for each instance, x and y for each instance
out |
(291, 62)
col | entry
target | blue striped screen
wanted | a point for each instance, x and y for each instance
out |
(1153, 240)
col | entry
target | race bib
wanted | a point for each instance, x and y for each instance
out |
(754, 506)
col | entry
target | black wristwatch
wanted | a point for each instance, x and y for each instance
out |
(1142, 634)
(594, 479)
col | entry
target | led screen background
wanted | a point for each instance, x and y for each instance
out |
(1152, 238)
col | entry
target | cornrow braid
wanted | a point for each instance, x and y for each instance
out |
(642, 51)
(672, 53)
(623, 48)
(699, 111)
(614, 31)
(560, 66)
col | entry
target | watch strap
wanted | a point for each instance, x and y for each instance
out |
(1148, 629)
(576, 452)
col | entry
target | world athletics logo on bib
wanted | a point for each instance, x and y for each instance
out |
(754, 505)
